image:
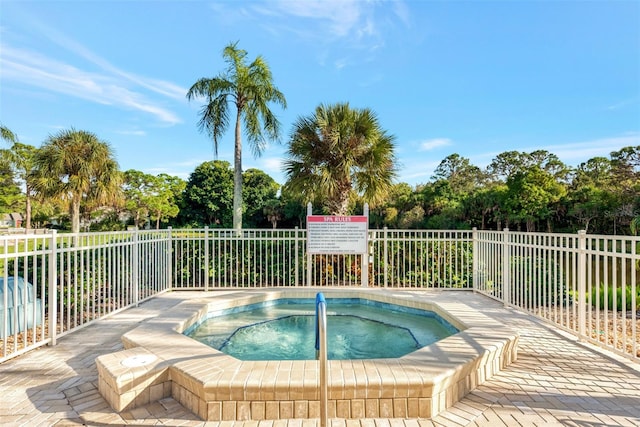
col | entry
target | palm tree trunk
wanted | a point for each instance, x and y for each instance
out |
(339, 205)
(75, 215)
(237, 176)
(28, 209)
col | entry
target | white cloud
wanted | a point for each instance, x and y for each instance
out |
(432, 144)
(272, 166)
(181, 169)
(161, 87)
(132, 132)
(272, 163)
(621, 104)
(182, 174)
(402, 12)
(417, 171)
(332, 26)
(572, 153)
(577, 152)
(34, 69)
(342, 16)
(341, 63)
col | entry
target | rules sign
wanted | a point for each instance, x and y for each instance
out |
(337, 234)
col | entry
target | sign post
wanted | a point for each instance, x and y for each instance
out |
(339, 235)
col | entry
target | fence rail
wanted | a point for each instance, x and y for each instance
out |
(53, 284)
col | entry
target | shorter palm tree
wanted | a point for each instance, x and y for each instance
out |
(273, 211)
(339, 150)
(77, 167)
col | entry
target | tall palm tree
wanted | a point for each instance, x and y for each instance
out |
(338, 150)
(78, 167)
(250, 89)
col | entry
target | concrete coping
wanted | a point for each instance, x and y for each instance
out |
(439, 374)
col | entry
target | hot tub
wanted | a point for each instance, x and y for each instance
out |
(159, 361)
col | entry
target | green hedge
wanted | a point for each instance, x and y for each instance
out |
(614, 294)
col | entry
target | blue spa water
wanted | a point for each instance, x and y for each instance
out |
(285, 330)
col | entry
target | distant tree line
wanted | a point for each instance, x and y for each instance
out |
(522, 191)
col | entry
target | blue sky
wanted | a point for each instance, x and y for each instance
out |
(475, 78)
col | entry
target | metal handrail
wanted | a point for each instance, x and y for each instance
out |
(321, 354)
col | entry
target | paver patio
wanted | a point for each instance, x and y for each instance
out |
(555, 381)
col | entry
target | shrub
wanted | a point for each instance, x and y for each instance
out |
(614, 294)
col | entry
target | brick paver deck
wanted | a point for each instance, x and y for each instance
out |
(556, 381)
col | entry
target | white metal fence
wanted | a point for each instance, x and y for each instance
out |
(586, 284)
(53, 284)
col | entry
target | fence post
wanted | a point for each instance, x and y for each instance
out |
(582, 283)
(136, 265)
(506, 277)
(53, 286)
(168, 260)
(385, 254)
(309, 256)
(296, 262)
(206, 258)
(364, 263)
(474, 259)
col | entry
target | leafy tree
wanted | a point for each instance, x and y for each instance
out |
(137, 190)
(163, 203)
(413, 218)
(338, 150)
(45, 210)
(9, 189)
(438, 197)
(463, 177)
(595, 172)
(626, 161)
(588, 204)
(293, 206)
(77, 167)
(590, 191)
(250, 89)
(550, 163)
(208, 196)
(20, 156)
(506, 164)
(400, 199)
(532, 194)
(258, 188)
(485, 206)
(105, 219)
(10, 194)
(626, 176)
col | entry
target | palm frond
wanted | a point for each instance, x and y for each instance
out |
(7, 135)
